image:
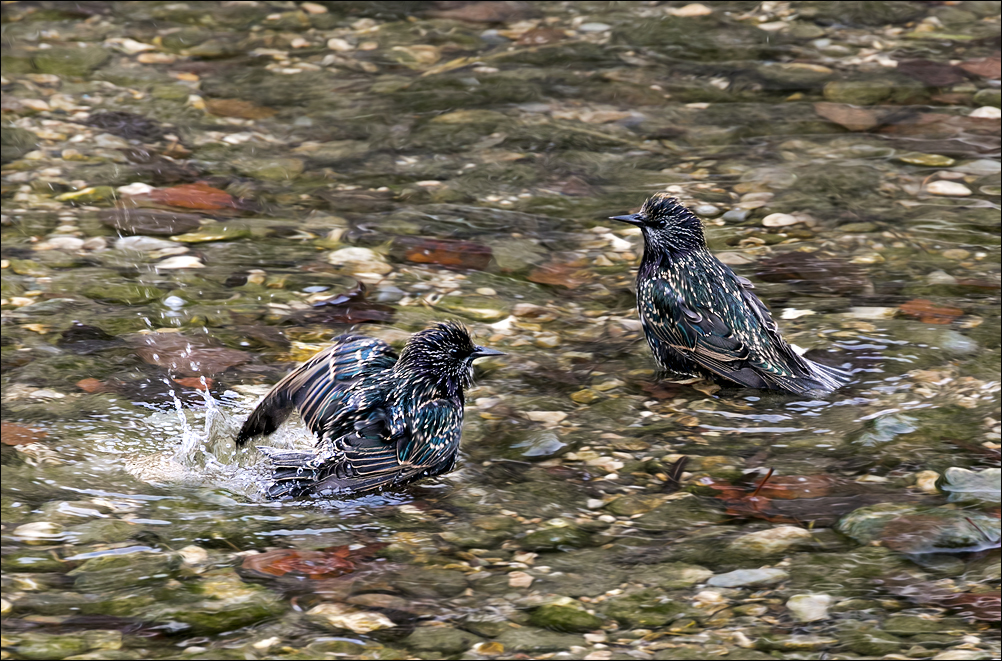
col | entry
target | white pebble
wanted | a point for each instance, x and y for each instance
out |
(690, 11)
(951, 188)
(551, 417)
(136, 188)
(95, 243)
(39, 532)
(809, 607)
(780, 220)
(987, 112)
(181, 262)
(70, 243)
(339, 45)
(143, 243)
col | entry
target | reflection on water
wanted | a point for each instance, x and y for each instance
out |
(197, 197)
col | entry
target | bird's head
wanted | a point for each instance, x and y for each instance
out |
(443, 353)
(669, 228)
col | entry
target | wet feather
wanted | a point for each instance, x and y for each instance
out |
(381, 420)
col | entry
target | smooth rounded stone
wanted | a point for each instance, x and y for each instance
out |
(986, 112)
(706, 210)
(858, 92)
(982, 167)
(948, 188)
(179, 262)
(40, 532)
(973, 486)
(126, 570)
(88, 195)
(633, 504)
(429, 583)
(594, 27)
(147, 244)
(677, 514)
(928, 160)
(227, 603)
(274, 169)
(646, 609)
(673, 575)
(780, 220)
(910, 529)
(359, 260)
(912, 625)
(41, 646)
(95, 243)
(873, 643)
(124, 293)
(530, 640)
(989, 97)
(795, 74)
(70, 60)
(809, 607)
(734, 258)
(738, 215)
(565, 614)
(103, 531)
(478, 308)
(940, 278)
(540, 446)
(150, 221)
(443, 640)
(15, 143)
(555, 538)
(771, 541)
(32, 561)
(748, 578)
(61, 242)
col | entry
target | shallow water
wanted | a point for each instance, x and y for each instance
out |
(461, 160)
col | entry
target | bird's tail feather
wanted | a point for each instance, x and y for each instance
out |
(820, 379)
(832, 377)
(294, 473)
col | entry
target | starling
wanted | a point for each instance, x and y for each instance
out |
(701, 319)
(381, 421)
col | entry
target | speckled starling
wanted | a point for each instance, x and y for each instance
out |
(701, 319)
(381, 421)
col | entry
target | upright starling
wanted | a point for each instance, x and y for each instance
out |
(702, 319)
(381, 420)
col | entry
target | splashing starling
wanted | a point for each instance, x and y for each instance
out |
(702, 319)
(381, 421)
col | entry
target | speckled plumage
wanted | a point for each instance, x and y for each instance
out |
(702, 319)
(381, 420)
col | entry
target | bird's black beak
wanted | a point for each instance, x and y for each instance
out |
(483, 352)
(633, 219)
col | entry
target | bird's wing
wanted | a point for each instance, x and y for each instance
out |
(321, 389)
(434, 430)
(788, 369)
(699, 333)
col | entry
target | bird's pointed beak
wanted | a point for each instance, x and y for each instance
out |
(633, 219)
(483, 352)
